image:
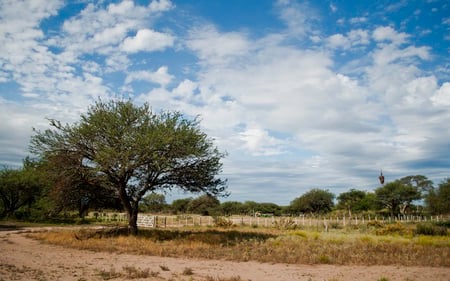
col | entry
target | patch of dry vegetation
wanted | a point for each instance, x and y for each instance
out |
(389, 245)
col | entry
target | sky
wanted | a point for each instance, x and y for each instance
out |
(299, 94)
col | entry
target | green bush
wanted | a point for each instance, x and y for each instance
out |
(443, 223)
(430, 229)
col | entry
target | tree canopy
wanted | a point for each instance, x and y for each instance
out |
(438, 200)
(19, 188)
(134, 151)
(314, 201)
(396, 196)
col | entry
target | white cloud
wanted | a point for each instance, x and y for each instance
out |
(214, 47)
(338, 41)
(297, 16)
(358, 20)
(442, 96)
(333, 8)
(122, 8)
(353, 38)
(282, 108)
(387, 33)
(147, 40)
(259, 142)
(160, 5)
(160, 76)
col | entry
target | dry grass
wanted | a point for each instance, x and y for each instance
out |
(392, 246)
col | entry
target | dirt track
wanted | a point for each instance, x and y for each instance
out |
(22, 258)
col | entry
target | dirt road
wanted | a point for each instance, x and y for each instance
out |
(22, 258)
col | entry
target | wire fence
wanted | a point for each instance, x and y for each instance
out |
(164, 221)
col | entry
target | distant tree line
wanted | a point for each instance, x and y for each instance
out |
(33, 193)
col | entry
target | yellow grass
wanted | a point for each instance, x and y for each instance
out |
(267, 245)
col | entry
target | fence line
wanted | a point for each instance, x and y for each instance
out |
(149, 220)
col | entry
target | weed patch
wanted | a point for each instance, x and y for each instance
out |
(430, 229)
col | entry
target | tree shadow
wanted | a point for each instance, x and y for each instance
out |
(9, 227)
(211, 236)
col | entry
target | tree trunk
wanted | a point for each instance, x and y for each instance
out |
(132, 210)
(132, 221)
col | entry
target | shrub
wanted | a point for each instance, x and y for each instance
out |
(430, 229)
(285, 223)
(375, 224)
(134, 273)
(188, 271)
(222, 222)
(394, 228)
(443, 223)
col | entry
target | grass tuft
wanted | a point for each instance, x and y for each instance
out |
(188, 271)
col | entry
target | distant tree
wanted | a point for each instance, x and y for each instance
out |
(153, 202)
(180, 206)
(135, 151)
(369, 202)
(269, 208)
(438, 201)
(396, 195)
(315, 201)
(250, 208)
(204, 205)
(19, 188)
(350, 200)
(231, 208)
(422, 183)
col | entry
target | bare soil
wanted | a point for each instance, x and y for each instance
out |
(22, 258)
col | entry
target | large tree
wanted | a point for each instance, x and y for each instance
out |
(397, 195)
(135, 151)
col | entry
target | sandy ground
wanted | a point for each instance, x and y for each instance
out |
(22, 258)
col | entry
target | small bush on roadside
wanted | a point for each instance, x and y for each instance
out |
(134, 273)
(285, 224)
(375, 224)
(235, 278)
(393, 229)
(443, 223)
(164, 268)
(188, 271)
(222, 222)
(108, 275)
(430, 229)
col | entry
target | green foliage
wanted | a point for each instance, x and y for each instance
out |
(397, 194)
(438, 201)
(430, 229)
(20, 189)
(350, 200)
(231, 208)
(133, 151)
(180, 206)
(315, 201)
(205, 205)
(153, 202)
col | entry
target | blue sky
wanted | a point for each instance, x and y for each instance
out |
(300, 94)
